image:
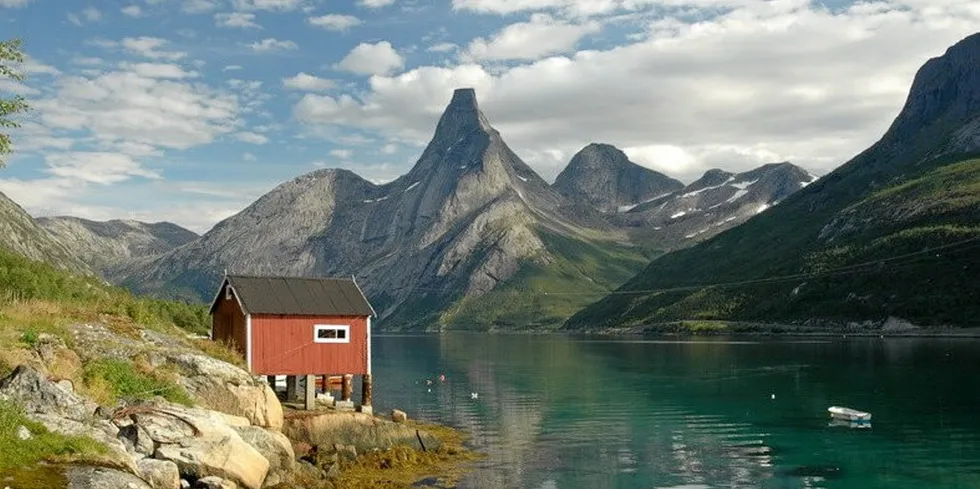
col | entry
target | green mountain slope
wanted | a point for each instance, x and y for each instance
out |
(578, 269)
(894, 232)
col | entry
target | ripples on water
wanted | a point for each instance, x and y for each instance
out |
(564, 413)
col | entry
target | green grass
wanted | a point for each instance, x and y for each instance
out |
(44, 445)
(122, 379)
(22, 279)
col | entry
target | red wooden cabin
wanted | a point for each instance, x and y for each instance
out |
(295, 326)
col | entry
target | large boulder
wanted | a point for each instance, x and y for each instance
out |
(203, 443)
(224, 387)
(102, 478)
(30, 389)
(160, 474)
(276, 448)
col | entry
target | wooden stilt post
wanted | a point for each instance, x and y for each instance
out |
(310, 398)
(346, 387)
(292, 385)
(366, 390)
(271, 379)
(326, 383)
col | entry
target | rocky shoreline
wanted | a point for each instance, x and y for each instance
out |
(891, 327)
(229, 431)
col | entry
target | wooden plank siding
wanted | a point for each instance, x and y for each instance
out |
(283, 345)
(228, 323)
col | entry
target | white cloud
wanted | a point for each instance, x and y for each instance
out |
(307, 82)
(765, 81)
(252, 138)
(343, 154)
(578, 7)
(269, 44)
(232, 68)
(145, 46)
(541, 36)
(442, 47)
(335, 22)
(96, 167)
(375, 3)
(280, 5)
(88, 15)
(14, 3)
(372, 59)
(389, 149)
(236, 19)
(129, 106)
(132, 11)
(157, 70)
(199, 6)
(32, 66)
(88, 61)
(246, 156)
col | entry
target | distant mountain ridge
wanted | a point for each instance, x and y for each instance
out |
(893, 232)
(111, 245)
(470, 238)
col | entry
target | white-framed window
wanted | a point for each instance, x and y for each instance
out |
(331, 333)
(228, 292)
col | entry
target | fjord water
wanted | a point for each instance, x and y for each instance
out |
(578, 412)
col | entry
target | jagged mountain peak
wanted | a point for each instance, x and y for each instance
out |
(461, 117)
(604, 176)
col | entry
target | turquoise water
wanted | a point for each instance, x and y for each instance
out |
(566, 413)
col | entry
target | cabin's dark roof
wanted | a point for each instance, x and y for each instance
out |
(298, 295)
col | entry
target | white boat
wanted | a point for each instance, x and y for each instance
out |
(848, 414)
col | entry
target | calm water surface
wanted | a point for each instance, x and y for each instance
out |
(566, 413)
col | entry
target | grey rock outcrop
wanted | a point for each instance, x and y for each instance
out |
(37, 395)
(103, 478)
(603, 176)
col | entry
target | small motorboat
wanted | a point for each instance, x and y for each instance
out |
(848, 414)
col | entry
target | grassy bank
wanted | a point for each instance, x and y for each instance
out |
(38, 303)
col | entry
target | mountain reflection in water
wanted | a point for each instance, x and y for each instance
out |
(566, 412)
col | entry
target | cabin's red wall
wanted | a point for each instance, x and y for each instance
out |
(283, 345)
(228, 323)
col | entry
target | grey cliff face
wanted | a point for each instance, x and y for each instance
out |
(23, 235)
(105, 246)
(603, 176)
(945, 90)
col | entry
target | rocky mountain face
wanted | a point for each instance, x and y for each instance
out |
(717, 201)
(893, 232)
(108, 246)
(603, 176)
(471, 224)
(25, 236)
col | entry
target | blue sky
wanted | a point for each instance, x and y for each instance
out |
(188, 110)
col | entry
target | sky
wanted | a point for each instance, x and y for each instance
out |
(189, 110)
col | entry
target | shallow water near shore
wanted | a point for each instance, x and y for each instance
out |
(600, 412)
